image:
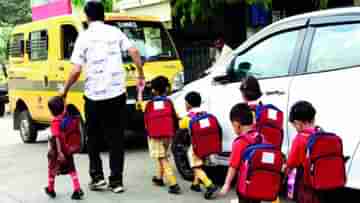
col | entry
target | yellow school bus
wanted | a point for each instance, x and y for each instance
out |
(39, 54)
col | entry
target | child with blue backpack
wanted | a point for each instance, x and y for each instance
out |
(161, 123)
(242, 121)
(193, 103)
(60, 155)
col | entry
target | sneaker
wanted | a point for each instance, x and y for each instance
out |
(175, 189)
(210, 192)
(158, 182)
(117, 188)
(51, 194)
(195, 188)
(97, 185)
(77, 195)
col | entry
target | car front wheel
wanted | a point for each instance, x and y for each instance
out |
(28, 131)
(180, 148)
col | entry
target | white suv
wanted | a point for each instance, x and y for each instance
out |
(313, 57)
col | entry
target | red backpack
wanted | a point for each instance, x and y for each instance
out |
(260, 172)
(206, 134)
(324, 152)
(70, 126)
(160, 118)
(269, 123)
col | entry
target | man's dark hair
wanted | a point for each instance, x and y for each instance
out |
(250, 88)
(56, 105)
(95, 11)
(160, 84)
(193, 99)
(302, 111)
(242, 114)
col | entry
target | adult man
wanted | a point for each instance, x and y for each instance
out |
(98, 51)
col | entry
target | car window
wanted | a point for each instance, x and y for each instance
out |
(269, 58)
(335, 47)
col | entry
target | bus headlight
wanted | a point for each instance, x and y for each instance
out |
(178, 82)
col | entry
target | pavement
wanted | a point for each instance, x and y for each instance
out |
(23, 173)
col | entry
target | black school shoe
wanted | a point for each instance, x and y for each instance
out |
(195, 188)
(175, 189)
(210, 192)
(158, 182)
(77, 195)
(51, 194)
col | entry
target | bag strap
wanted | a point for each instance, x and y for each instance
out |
(198, 116)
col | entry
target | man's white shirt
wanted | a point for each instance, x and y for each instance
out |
(99, 51)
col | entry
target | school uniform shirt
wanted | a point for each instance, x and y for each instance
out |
(239, 146)
(297, 155)
(99, 51)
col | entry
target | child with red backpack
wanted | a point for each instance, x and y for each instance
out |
(64, 129)
(268, 118)
(313, 153)
(257, 165)
(205, 134)
(161, 123)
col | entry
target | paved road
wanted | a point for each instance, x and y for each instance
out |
(23, 174)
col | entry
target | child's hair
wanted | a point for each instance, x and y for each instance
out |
(250, 88)
(160, 84)
(56, 105)
(193, 99)
(302, 111)
(242, 113)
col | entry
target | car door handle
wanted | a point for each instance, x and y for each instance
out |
(61, 68)
(275, 92)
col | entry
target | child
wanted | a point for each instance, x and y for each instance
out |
(192, 105)
(302, 117)
(59, 161)
(159, 146)
(242, 121)
(251, 91)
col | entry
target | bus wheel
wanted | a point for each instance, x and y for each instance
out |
(28, 131)
(180, 148)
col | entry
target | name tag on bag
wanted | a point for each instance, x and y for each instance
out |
(268, 158)
(204, 123)
(159, 105)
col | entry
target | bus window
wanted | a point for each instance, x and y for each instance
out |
(69, 35)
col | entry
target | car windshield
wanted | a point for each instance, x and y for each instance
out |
(150, 38)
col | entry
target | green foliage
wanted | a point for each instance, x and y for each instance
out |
(201, 10)
(14, 12)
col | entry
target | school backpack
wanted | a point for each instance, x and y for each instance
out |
(206, 134)
(160, 118)
(269, 123)
(325, 162)
(260, 173)
(70, 126)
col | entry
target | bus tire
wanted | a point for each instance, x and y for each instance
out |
(2, 109)
(28, 130)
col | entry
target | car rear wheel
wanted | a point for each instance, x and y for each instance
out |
(180, 148)
(28, 131)
(2, 109)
